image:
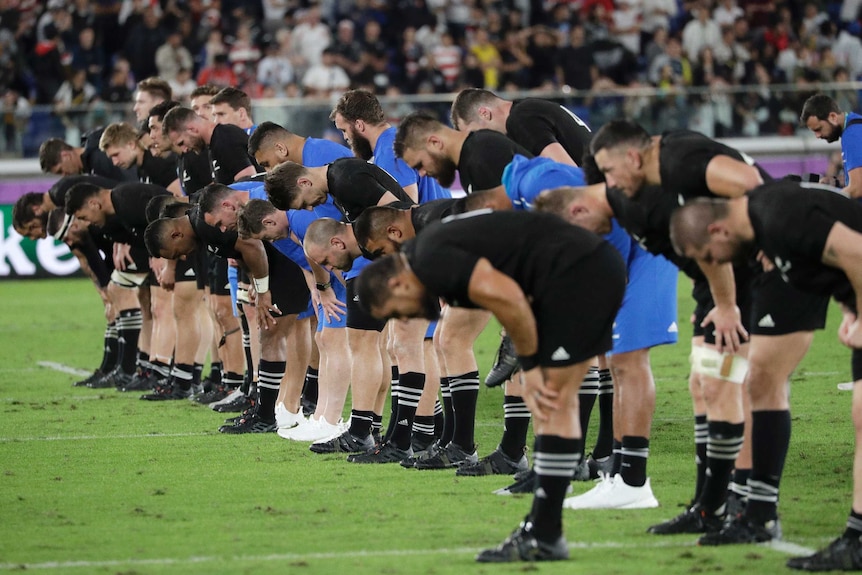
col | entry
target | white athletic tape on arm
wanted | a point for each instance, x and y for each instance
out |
(708, 361)
(261, 285)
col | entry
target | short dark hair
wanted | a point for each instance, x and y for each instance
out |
(159, 110)
(78, 194)
(177, 119)
(205, 90)
(158, 205)
(373, 221)
(280, 184)
(23, 210)
(592, 173)
(413, 129)
(250, 217)
(233, 97)
(617, 133)
(211, 195)
(174, 209)
(156, 87)
(359, 105)
(466, 105)
(266, 134)
(372, 285)
(689, 225)
(49, 153)
(819, 106)
(156, 236)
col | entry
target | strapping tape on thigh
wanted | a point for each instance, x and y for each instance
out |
(726, 366)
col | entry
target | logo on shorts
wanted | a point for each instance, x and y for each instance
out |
(766, 321)
(190, 273)
(560, 354)
(356, 298)
(673, 328)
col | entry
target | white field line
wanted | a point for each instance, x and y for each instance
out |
(63, 368)
(90, 437)
(783, 547)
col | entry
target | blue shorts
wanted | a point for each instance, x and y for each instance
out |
(326, 322)
(429, 333)
(647, 317)
(233, 280)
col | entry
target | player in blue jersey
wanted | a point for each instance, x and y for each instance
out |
(824, 118)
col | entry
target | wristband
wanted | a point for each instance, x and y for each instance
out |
(528, 362)
(323, 287)
(261, 284)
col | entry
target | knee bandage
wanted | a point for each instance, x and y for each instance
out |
(726, 366)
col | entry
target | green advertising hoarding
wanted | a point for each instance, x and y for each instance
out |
(21, 258)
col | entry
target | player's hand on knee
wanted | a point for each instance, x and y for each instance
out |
(540, 398)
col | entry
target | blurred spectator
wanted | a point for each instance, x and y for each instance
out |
(325, 78)
(542, 50)
(47, 67)
(488, 57)
(614, 62)
(845, 46)
(598, 21)
(576, 66)
(16, 113)
(657, 14)
(672, 67)
(243, 54)
(273, 14)
(472, 75)
(794, 59)
(143, 41)
(812, 19)
(89, 57)
(515, 63)
(757, 110)
(446, 63)
(414, 14)
(847, 99)
(411, 62)
(172, 56)
(51, 16)
(730, 53)
(626, 25)
(310, 37)
(71, 105)
(657, 45)
(372, 39)
(219, 74)
(851, 11)
(117, 90)
(182, 85)
(394, 107)
(83, 14)
(347, 48)
(211, 48)
(726, 13)
(276, 70)
(701, 31)
(758, 13)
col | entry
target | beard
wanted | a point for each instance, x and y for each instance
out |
(361, 147)
(836, 134)
(445, 169)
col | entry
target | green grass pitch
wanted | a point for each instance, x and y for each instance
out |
(94, 481)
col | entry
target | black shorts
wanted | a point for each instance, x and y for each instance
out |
(286, 282)
(778, 308)
(574, 319)
(217, 275)
(358, 318)
(704, 303)
(186, 270)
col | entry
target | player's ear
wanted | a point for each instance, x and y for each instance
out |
(434, 142)
(393, 231)
(634, 157)
(485, 113)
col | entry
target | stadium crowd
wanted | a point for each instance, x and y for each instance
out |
(301, 269)
(77, 55)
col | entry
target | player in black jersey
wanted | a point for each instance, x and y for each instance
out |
(681, 166)
(353, 184)
(382, 230)
(535, 273)
(825, 260)
(121, 143)
(227, 144)
(58, 157)
(543, 127)
(433, 149)
(119, 213)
